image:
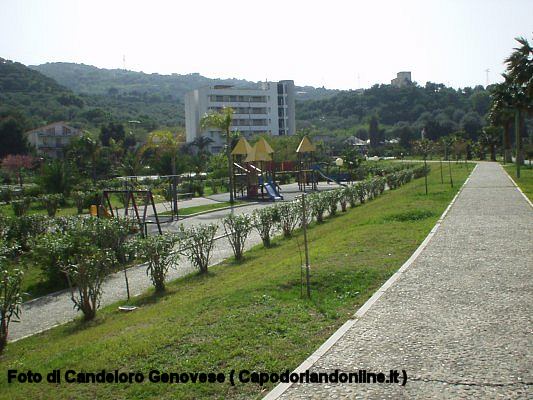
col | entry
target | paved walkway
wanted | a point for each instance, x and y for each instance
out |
(459, 319)
(48, 311)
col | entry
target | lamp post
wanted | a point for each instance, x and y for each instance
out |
(339, 163)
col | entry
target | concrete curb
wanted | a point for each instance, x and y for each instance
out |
(516, 186)
(339, 333)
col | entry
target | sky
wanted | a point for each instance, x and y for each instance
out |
(334, 43)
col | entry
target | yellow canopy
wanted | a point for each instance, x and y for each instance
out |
(262, 146)
(256, 155)
(242, 148)
(306, 146)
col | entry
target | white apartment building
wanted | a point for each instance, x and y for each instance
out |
(51, 140)
(269, 108)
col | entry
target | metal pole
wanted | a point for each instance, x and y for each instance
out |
(426, 174)
(441, 177)
(307, 267)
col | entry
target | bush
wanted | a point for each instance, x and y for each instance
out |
(159, 251)
(79, 200)
(6, 195)
(237, 227)
(199, 188)
(51, 203)
(332, 198)
(56, 177)
(21, 229)
(344, 196)
(264, 222)
(20, 207)
(32, 190)
(288, 217)
(10, 293)
(51, 252)
(86, 276)
(197, 244)
(361, 189)
(351, 193)
(318, 204)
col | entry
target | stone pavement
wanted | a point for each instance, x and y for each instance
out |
(459, 319)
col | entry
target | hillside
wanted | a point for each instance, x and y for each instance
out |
(440, 109)
(42, 100)
(82, 78)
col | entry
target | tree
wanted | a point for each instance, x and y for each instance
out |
(373, 131)
(159, 251)
(520, 83)
(424, 147)
(12, 140)
(85, 148)
(222, 120)
(166, 143)
(490, 138)
(17, 163)
(10, 293)
(112, 131)
(502, 114)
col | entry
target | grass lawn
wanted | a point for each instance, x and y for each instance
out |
(525, 182)
(245, 315)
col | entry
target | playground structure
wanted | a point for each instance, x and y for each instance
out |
(255, 173)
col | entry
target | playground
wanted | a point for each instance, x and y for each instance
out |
(255, 178)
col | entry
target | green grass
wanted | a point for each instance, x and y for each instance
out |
(525, 182)
(241, 315)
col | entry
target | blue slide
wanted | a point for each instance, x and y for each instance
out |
(328, 178)
(272, 192)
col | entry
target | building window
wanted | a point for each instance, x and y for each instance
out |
(280, 88)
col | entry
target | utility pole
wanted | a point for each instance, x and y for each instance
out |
(487, 77)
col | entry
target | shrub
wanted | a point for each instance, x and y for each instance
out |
(22, 229)
(6, 195)
(79, 200)
(197, 244)
(10, 293)
(264, 222)
(361, 189)
(56, 177)
(318, 204)
(51, 252)
(380, 185)
(20, 207)
(344, 196)
(159, 251)
(86, 276)
(51, 203)
(32, 190)
(199, 188)
(351, 192)
(288, 217)
(237, 228)
(332, 198)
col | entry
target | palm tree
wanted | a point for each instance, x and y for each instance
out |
(201, 143)
(222, 120)
(86, 147)
(520, 73)
(502, 114)
(167, 143)
(490, 137)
